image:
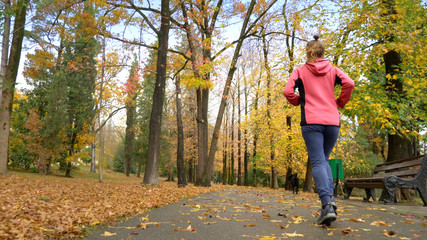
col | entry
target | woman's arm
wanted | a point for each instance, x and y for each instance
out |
(289, 91)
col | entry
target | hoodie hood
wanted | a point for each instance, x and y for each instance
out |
(320, 67)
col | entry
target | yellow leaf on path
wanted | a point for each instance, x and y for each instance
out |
(379, 223)
(95, 223)
(298, 219)
(250, 225)
(108, 234)
(295, 234)
(284, 226)
(357, 220)
(144, 218)
(209, 223)
(331, 234)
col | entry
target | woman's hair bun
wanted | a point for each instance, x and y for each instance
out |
(316, 37)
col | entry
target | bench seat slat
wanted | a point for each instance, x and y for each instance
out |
(405, 173)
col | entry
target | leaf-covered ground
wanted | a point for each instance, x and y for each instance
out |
(34, 207)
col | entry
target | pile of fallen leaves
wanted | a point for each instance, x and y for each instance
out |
(35, 207)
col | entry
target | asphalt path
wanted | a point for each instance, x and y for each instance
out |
(262, 213)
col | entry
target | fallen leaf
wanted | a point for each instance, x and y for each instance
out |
(357, 220)
(416, 235)
(250, 225)
(331, 234)
(189, 228)
(408, 222)
(142, 225)
(298, 219)
(295, 234)
(348, 230)
(276, 221)
(108, 234)
(389, 233)
(379, 223)
(284, 226)
(209, 223)
(95, 223)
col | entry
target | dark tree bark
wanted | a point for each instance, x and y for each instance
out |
(246, 156)
(308, 183)
(180, 148)
(225, 153)
(8, 84)
(254, 156)
(129, 137)
(239, 139)
(5, 44)
(231, 176)
(151, 175)
(398, 146)
(288, 185)
(274, 180)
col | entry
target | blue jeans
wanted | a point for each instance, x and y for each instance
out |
(320, 140)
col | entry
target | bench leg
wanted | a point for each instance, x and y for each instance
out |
(390, 186)
(423, 193)
(370, 192)
(348, 191)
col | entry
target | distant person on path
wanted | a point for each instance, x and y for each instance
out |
(320, 119)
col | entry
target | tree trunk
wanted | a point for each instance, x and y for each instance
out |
(274, 181)
(92, 157)
(254, 157)
(151, 175)
(5, 44)
(308, 183)
(100, 134)
(180, 148)
(190, 170)
(246, 157)
(225, 153)
(398, 146)
(239, 140)
(288, 185)
(138, 173)
(129, 137)
(231, 176)
(202, 129)
(8, 85)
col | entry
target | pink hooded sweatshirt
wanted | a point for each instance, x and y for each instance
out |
(315, 83)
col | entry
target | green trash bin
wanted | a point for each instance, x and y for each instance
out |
(337, 172)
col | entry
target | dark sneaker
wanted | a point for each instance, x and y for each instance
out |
(327, 215)
(334, 204)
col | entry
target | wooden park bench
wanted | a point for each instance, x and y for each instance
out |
(405, 173)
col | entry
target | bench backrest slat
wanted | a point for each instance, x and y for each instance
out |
(408, 167)
(411, 163)
(403, 173)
